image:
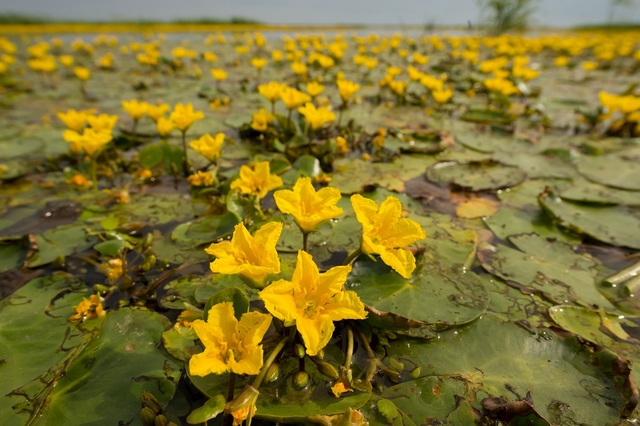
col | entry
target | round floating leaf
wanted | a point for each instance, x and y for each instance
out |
(433, 296)
(547, 266)
(494, 359)
(60, 241)
(590, 192)
(483, 142)
(205, 230)
(597, 326)
(127, 349)
(616, 225)
(34, 328)
(477, 175)
(619, 169)
(486, 116)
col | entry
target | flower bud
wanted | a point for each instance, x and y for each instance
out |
(161, 420)
(147, 241)
(299, 350)
(272, 373)
(149, 263)
(150, 401)
(328, 370)
(300, 380)
(147, 416)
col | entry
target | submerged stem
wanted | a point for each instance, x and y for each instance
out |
(352, 257)
(270, 358)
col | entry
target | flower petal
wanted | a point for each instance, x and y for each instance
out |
(306, 273)
(279, 301)
(401, 260)
(345, 305)
(207, 362)
(250, 363)
(315, 332)
(331, 282)
(366, 210)
(222, 317)
(252, 327)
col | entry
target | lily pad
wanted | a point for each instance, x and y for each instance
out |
(616, 225)
(476, 176)
(495, 359)
(548, 266)
(618, 170)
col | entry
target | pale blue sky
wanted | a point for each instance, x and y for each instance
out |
(550, 12)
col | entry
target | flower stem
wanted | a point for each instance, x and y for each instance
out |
(349, 353)
(270, 358)
(94, 175)
(289, 120)
(352, 257)
(185, 160)
(305, 241)
(624, 275)
(232, 386)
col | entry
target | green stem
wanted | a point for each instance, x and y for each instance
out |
(270, 358)
(340, 114)
(349, 354)
(94, 175)
(185, 159)
(232, 386)
(352, 257)
(289, 120)
(305, 241)
(631, 286)
(625, 274)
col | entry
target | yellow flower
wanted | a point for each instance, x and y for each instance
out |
(90, 141)
(385, 232)
(80, 181)
(219, 74)
(442, 96)
(308, 207)
(208, 146)
(299, 68)
(135, 108)
(230, 345)
(271, 90)
(201, 179)
(341, 145)
(561, 61)
(313, 301)
(66, 60)
(316, 117)
(164, 126)
(293, 98)
(183, 116)
(500, 85)
(112, 269)
(589, 65)
(82, 73)
(314, 88)
(74, 120)
(257, 180)
(261, 120)
(88, 309)
(397, 87)
(258, 63)
(253, 258)
(347, 89)
(156, 111)
(339, 388)
(102, 122)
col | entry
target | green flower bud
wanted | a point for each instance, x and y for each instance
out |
(147, 416)
(150, 401)
(299, 350)
(272, 373)
(161, 420)
(328, 370)
(300, 380)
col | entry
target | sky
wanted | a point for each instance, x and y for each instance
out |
(554, 13)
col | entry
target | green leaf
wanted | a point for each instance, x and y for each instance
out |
(618, 170)
(476, 176)
(616, 225)
(61, 241)
(211, 408)
(126, 357)
(205, 230)
(234, 295)
(111, 248)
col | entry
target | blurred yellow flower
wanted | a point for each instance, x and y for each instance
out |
(271, 90)
(230, 345)
(88, 309)
(208, 146)
(74, 120)
(164, 126)
(201, 179)
(183, 116)
(82, 73)
(314, 88)
(156, 111)
(442, 96)
(257, 181)
(135, 108)
(90, 141)
(219, 74)
(258, 63)
(386, 232)
(293, 97)
(261, 120)
(313, 301)
(102, 122)
(347, 89)
(316, 117)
